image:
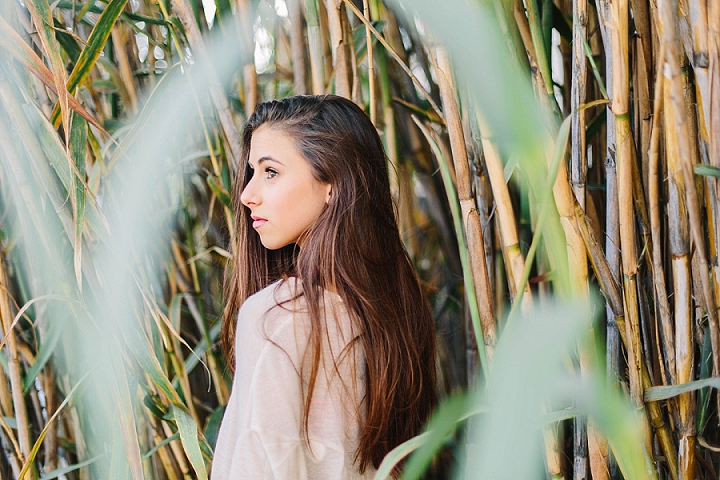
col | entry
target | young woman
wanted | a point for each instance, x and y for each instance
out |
(332, 339)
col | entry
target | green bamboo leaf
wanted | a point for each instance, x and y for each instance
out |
(219, 191)
(703, 398)
(360, 38)
(42, 18)
(174, 312)
(95, 45)
(67, 41)
(124, 408)
(213, 426)
(189, 439)
(441, 426)
(654, 394)
(78, 152)
(142, 351)
(707, 170)
(51, 145)
(64, 168)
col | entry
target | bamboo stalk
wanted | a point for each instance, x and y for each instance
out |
(713, 105)
(679, 249)
(578, 170)
(371, 63)
(538, 41)
(471, 218)
(169, 466)
(700, 61)
(297, 45)
(612, 224)
(16, 388)
(614, 298)
(507, 231)
(619, 19)
(338, 47)
(667, 11)
(51, 405)
(177, 451)
(395, 55)
(388, 112)
(315, 42)
(660, 289)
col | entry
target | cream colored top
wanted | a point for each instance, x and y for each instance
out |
(261, 435)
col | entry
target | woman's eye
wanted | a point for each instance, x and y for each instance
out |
(270, 173)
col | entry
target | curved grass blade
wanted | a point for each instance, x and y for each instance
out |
(189, 439)
(41, 437)
(654, 394)
(157, 447)
(70, 468)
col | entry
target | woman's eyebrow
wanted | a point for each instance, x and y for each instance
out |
(265, 158)
(268, 158)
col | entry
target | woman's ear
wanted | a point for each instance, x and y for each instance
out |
(328, 189)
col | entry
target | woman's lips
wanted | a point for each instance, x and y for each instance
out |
(258, 222)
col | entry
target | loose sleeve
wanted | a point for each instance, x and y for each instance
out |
(271, 445)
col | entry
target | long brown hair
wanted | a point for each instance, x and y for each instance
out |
(354, 249)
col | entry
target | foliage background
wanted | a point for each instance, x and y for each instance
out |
(539, 151)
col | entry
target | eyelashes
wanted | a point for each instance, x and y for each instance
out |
(270, 173)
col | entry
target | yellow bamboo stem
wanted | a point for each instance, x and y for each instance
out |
(338, 47)
(471, 218)
(16, 387)
(514, 260)
(667, 11)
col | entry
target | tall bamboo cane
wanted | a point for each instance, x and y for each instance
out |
(470, 215)
(679, 248)
(667, 9)
(341, 62)
(663, 308)
(298, 48)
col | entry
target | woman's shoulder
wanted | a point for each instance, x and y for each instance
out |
(280, 292)
(280, 310)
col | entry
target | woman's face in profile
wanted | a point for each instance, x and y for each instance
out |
(283, 195)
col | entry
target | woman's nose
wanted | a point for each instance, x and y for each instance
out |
(249, 195)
